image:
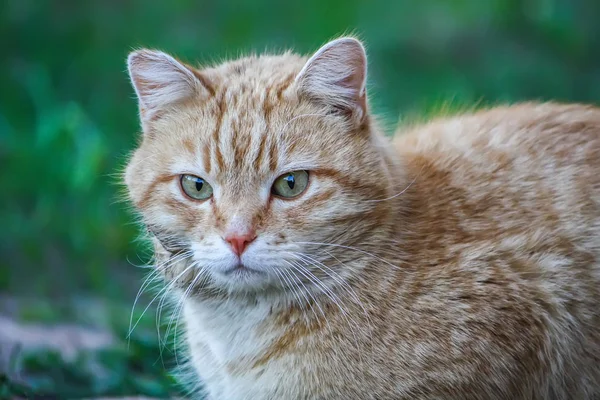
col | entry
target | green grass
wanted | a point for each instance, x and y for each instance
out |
(68, 119)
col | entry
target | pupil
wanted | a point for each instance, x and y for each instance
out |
(291, 181)
(199, 184)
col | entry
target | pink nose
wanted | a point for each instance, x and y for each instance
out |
(240, 242)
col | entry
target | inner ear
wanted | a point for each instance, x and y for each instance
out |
(161, 81)
(335, 76)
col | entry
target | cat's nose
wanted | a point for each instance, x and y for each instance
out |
(239, 242)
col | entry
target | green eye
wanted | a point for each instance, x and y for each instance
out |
(196, 187)
(291, 184)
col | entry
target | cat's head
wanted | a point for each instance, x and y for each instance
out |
(263, 172)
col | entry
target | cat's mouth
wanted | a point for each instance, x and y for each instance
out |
(242, 270)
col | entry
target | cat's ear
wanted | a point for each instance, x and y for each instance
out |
(336, 77)
(160, 81)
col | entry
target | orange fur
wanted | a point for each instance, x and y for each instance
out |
(458, 261)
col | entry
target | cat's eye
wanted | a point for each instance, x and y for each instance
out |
(196, 187)
(291, 184)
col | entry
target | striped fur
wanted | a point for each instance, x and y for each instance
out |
(458, 261)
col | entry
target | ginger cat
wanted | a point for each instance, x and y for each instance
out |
(316, 259)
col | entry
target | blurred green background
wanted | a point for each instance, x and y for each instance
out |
(68, 249)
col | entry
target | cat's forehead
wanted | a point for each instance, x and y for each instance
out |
(253, 125)
(251, 89)
(251, 94)
(253, 137)
(255, 72)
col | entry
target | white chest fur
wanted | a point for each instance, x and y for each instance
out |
(224, 338)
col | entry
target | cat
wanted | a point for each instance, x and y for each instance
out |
(313, 257)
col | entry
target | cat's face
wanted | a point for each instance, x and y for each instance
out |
(262, 172)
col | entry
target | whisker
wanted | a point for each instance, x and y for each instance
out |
(164, 297)
(353, 249)
(282, 279)
(351, 323)
(161, 304)
(190, 287)
(189, 268)
(147, 282)
(167, 287)
(316, 281)
(331, 273)
(291, 274)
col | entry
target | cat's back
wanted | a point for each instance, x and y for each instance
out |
(529, 132)
(540, 161)
(525, 178)
(503, 210)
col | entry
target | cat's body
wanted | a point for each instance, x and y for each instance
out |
(461, 262)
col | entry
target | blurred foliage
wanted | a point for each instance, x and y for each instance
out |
(68, 115)
(133, 366)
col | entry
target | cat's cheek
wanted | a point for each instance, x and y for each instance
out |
(158, 217)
